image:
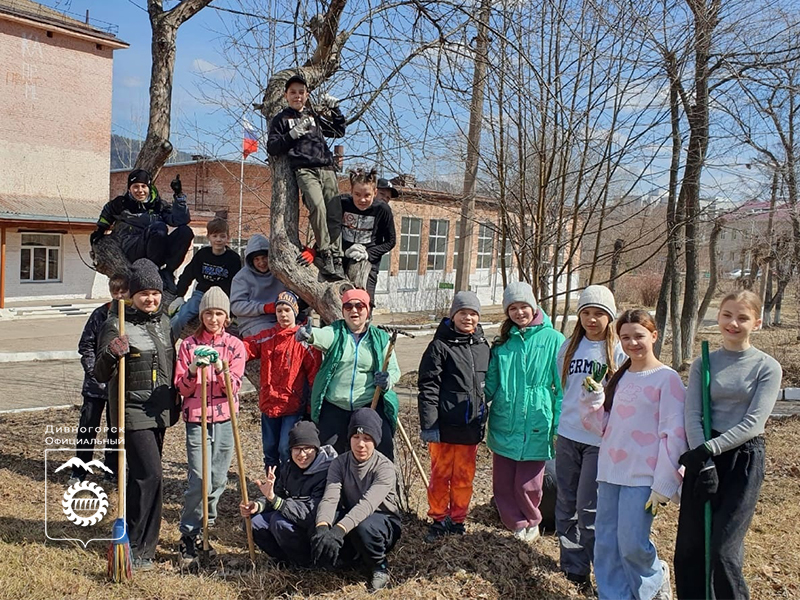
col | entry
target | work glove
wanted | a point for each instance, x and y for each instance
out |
(306, 257)
(303, 333)
(654, 502)
(175, 306)
(381, 379)
(329, 101)
(177, 187)
(269, 308)
(96, 236)
(594, 382)
(357, 252)
(707, 482)
(205, 355)
(326, 543)
(429, 436)
(695, 459)
(302, 127)
(119, 346)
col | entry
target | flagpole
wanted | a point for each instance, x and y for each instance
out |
(241, 192)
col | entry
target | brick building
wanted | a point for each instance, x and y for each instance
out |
(413, 277)
(55, 127)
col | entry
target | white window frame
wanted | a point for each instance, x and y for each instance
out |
(437, 245)
(485, 240)
(30, 250)
(408, 278)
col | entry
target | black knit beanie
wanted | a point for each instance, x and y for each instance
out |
(139, 176)
(144, 276)
(366, 420)
(304, 433)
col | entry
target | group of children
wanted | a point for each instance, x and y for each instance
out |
(626, 435)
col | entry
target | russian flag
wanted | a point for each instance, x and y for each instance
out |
(250, 139)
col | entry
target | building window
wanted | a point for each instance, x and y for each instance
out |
(409, 253)
(457, 232)
(40, 257)
(437, 244)
(485, 246)
(733, 235)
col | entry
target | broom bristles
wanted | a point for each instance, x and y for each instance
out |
(119, 555)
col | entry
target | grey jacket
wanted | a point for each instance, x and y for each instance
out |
(251, 290)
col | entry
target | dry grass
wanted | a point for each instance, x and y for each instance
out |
(486, 563)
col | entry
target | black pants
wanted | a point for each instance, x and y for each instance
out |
(157, 244)
(334, 422)
(371, 540)
(89, 425)
(281, 539)
(741, 472)
(144, 489)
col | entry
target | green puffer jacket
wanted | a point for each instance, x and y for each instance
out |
(150, 396)
(524, 388)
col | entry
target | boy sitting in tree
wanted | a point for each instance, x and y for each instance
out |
(299, 132)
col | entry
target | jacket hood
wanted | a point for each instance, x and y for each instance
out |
(545, 324)
(257, 243)
(446, 331)
(324, 458)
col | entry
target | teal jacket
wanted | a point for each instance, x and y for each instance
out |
(524, 388)
(345, 378)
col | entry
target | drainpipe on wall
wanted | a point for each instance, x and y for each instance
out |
(2, 267)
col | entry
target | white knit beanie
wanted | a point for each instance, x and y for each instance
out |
(215, 298)
(518, 291)
(600, 297)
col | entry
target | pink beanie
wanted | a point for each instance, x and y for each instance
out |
(356, 294)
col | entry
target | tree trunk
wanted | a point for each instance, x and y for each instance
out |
(164, 25)
(619, 244)
(712, 265)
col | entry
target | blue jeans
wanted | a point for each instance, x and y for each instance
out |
(625, 561)
(189, 310)
(219, 442)
(275, 438)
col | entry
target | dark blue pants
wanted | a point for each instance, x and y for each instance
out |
(371, 540)
(281, 539)
(158, 245)
(333, 424)
(741, 472)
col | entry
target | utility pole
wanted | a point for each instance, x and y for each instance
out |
(473, 149)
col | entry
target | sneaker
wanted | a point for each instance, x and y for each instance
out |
(584, 583)
(142, 564)
(521, 533)
(188, 551)
(532, 533)
(437, 530)
(455, 528)
(380, 577)
(665, 591)
(338, 269)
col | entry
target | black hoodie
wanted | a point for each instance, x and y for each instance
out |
(451, 381)
(308, 151)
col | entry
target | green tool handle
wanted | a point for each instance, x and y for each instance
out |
(706, 373)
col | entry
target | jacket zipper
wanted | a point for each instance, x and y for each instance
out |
(472, 386)
(355, 367)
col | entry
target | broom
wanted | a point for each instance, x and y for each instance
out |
(239, 459)
(706, 372)
(119, 552)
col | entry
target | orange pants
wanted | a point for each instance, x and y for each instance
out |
(450, 488)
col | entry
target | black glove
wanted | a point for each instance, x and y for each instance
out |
(707, 482)
(694, 460)
(119, 346)
(326, 543)
(176, 186)
(96, 236)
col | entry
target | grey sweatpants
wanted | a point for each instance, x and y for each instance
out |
(576, 504)
(321, 197)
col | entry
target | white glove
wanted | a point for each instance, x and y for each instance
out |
(175, 306)
(205, 355)
(302, 127)
(357, 252)
(329, 101)
(654, 502)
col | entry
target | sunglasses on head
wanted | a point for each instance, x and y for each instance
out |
(351, 305)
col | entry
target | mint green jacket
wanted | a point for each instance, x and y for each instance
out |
(524, 388)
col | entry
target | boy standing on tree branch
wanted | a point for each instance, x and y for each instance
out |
(299, 132)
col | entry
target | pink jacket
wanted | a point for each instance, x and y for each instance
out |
(231, 349)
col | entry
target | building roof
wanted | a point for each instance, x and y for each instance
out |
(14, 207)
(43, 15)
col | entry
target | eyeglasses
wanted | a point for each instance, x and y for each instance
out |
(351, 305)
(303, 449)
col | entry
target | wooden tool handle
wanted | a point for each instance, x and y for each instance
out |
(204, 452)
(121, 419)
(376, 396)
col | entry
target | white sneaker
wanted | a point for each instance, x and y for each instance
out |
(532, 533)
(665, 591)
(521, 534)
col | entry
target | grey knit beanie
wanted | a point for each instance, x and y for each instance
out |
(215, 298)
(600, 297)
(144, 276)
(465, 299)
(518, 291)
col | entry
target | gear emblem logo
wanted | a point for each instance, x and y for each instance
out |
(85, 503)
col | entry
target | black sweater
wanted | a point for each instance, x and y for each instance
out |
(373, 227)
(308, 151)
(451, 385)
(209, 269)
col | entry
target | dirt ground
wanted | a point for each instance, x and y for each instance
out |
(486, 563)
